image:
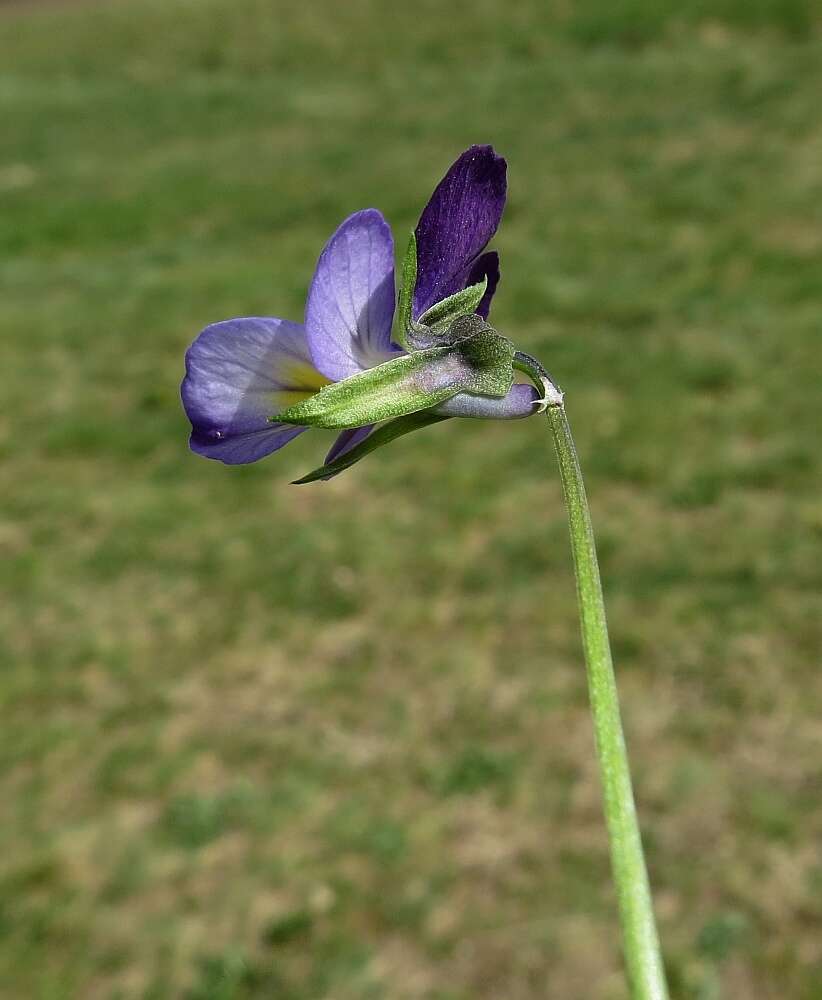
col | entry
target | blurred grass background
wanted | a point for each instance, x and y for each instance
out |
(332, 742)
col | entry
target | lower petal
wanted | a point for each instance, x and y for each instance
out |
(239, 373)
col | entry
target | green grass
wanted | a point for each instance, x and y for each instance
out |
(260, 741)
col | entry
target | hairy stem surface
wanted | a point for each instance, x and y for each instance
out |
(646, 974)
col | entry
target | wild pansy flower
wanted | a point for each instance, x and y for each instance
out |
(254, 384)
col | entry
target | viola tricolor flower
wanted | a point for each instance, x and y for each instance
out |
(254, 384)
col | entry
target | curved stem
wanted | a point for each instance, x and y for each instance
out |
(646, 974)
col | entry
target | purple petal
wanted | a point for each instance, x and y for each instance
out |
(486, 266)
(346, 440)
(350, 305)
(240, 449)
(457, 223)
(238, 373)
(521, 401)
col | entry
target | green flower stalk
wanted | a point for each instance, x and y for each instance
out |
(643, 957)
(641, 942)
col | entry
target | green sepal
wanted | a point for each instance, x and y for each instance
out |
(440, 317)
(489, 354)
(409, 281)
(389, 390)
(377, 439)
(431, 329)
(481, 363)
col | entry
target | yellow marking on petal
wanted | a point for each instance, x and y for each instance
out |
(300, 374)
(283, 398)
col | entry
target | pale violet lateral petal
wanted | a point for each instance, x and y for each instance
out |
(521, 401)
(350, 306)
(238, 373)
(346, 440)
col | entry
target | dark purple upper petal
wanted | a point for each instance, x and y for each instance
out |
(486, 266)
(350, 305)
(456, 224)
(238, 374)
